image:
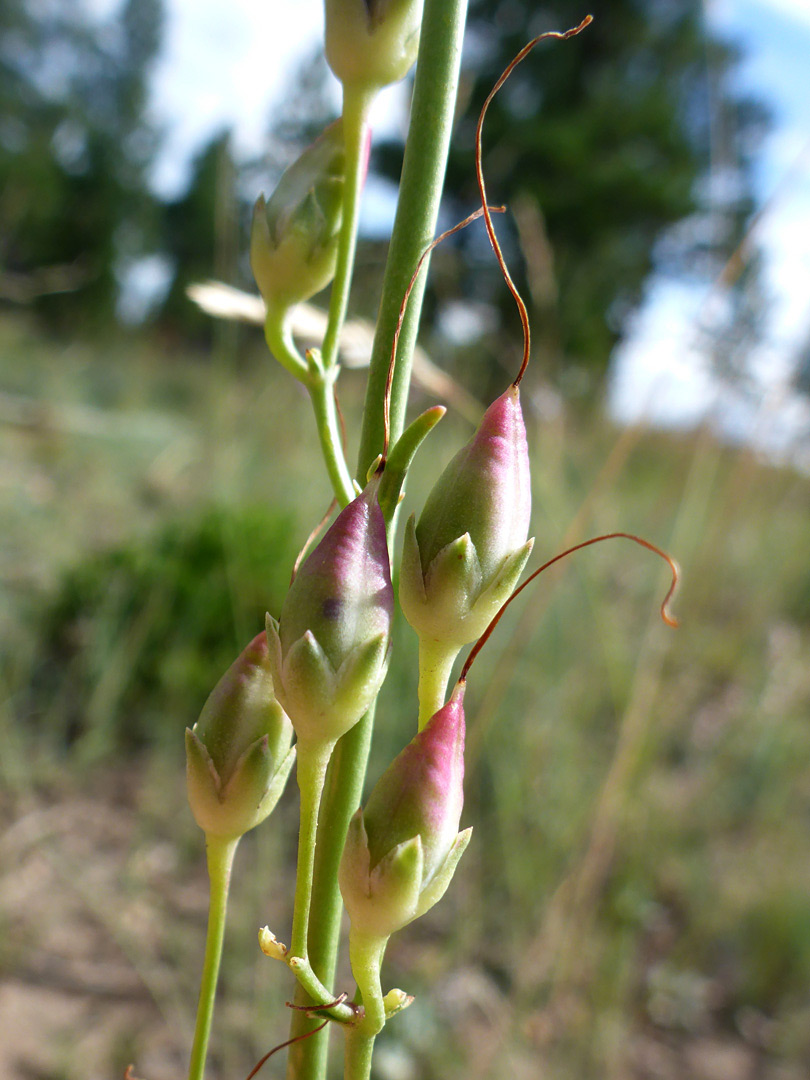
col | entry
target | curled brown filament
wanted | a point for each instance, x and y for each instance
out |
(666, 615)
(289, 1042)
(479, 172)
(404, 307)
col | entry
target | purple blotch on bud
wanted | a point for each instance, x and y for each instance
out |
(330, 646)
(402, 850)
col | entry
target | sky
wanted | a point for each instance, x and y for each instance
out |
(661, 374)
(226, 63)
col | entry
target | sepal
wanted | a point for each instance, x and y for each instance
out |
(294, 236)
(394, 885)
(453, 580)
(305, 685)
(435, 889)
(496, 593)
(326, 703)
(383, 898)
(246, 799)
(451, 603)
(412, 595)
(360, 677)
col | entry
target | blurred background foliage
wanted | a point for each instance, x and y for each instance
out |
(627, 151)
(636, 904)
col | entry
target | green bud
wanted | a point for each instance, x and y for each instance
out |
(402, 851)
(294, 239)
(329, 649)
(371, 43)
(238, 754)
(465, 555)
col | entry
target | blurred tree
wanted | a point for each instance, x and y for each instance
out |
(600, 147)
(75, 146)
(201, 234)
(204, 231)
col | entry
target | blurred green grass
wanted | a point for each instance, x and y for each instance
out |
(636, 900)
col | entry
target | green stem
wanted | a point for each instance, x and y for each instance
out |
(311, 773)
(436, 661)
(434, 101)
(423, 168)
(357, 1055)
(280, 342)
(366, 954)
(320, 384)
(320, 996)
(220, 860)
(342, 795)
(356, 105)
(321, 392)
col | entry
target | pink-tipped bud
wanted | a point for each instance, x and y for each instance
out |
(402, 850)
(468, 549)
(238, 753)
(371, 43)
(329, 649)
(294, 239)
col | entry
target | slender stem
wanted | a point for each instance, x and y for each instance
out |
(220, 860)
(423, 168)
(342, 795)
(320, 384)
(366, 954)
(356, 105)
(311, 773)
(434, 101)
(279, 338)
(321, 391)
(357, 1055)
(320, 995)
(436, 661)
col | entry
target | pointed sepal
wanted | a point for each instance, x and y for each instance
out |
(497, 593)
(435, 889)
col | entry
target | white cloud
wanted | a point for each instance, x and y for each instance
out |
(224, 63)
(794, 9)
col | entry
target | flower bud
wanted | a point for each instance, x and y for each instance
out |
(402, 851)
(329, 650)
(294, 239)
(238, 753)
(371, 43)
(464, 556)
